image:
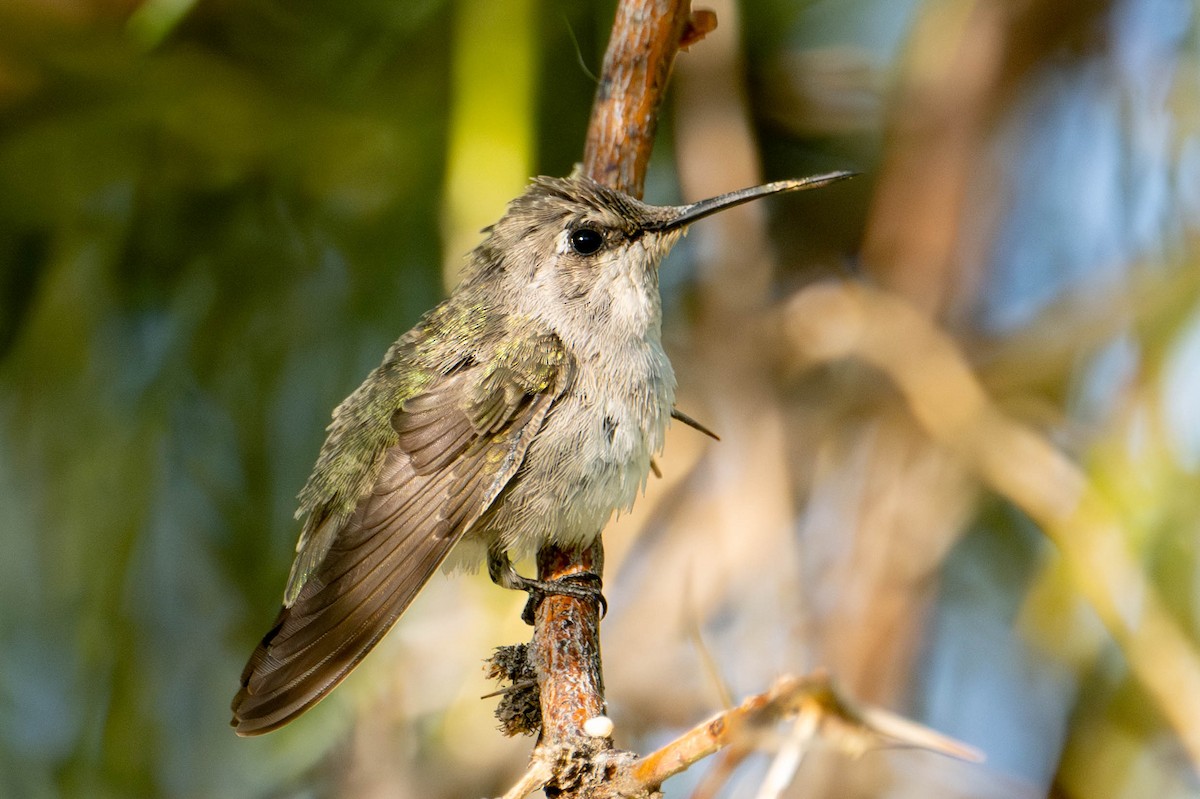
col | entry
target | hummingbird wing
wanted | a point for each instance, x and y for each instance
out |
(458, 443)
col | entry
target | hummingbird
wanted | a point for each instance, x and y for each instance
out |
(523, 410)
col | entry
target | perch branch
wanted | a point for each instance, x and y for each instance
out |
(566, 643)
(645, 38)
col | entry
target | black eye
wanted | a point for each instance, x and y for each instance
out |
(586, 241)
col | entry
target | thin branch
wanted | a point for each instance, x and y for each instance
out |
(566, 642)
(745, 727)
(645, 38)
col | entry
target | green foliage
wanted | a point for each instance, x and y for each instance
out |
(204, 246)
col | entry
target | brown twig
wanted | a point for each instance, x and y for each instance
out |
(566, 641)
(645, 38)
(784, 719)
(815, 697)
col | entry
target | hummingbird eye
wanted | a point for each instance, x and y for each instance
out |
(586, 240)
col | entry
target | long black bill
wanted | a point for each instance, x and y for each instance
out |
(690, 213)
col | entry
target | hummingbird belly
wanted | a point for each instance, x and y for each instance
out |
(591, 457)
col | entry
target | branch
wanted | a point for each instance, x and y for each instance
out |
(566, 640)
(633, 81)
(804, 707)
(811, 704)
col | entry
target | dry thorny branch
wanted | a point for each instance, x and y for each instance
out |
(784, 720)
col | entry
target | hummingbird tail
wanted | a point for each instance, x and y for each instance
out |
(445, 470)
(366, 580)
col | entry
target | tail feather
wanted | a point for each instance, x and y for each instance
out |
(379, 563)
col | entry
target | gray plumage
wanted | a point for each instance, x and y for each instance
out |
(523, 409)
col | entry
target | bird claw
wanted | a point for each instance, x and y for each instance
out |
(584, 585)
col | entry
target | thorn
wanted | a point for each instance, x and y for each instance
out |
(700, 23)
(909, 733)
(517, 686)
(692, 423)
(654, 468)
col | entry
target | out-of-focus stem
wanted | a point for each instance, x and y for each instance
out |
(834, 321)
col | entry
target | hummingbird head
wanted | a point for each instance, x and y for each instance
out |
(569, 246)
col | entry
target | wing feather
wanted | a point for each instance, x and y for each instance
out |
(449, 464)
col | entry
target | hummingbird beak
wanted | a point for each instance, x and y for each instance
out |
(687, 214)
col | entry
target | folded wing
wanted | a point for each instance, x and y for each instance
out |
(458, 443)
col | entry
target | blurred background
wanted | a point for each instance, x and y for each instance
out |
(215, 217)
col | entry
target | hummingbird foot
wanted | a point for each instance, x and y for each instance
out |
(581, 585)
(585, 585)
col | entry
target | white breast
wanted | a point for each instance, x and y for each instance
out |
(592, 455)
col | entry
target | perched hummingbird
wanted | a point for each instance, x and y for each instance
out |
(522, 410)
